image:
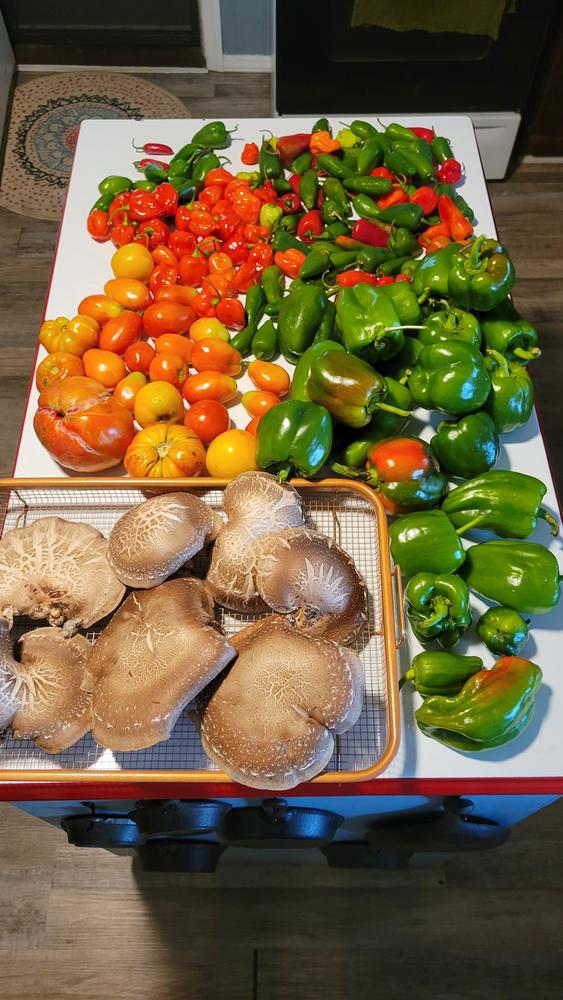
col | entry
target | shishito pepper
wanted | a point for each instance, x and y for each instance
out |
(349, 388)
(505, 331)
(468, 447)
(383, 424)
(294, 435)
(425, 541)
(301, 318)
(503, 630)
(493, 707)
(405, 473)
(440, 673)
(438, 607)
(450, 324)
(503, 501)
(481, 275)
(511, 399)
(519, 575)
(450, 376)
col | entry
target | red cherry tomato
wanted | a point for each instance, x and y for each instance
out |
(139, 356)
(120, 332)
(207, 419)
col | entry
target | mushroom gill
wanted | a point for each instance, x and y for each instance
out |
(161, 648)
(271, 722)
(256, 505)
(12, 690)
(55, 712)
(57, 570)
(153, 539)
(304, 575)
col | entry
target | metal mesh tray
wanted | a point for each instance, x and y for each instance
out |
(348, 512)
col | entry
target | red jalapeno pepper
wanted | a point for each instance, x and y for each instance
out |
(153, 147)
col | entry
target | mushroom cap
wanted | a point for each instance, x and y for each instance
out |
(12, 691)
(57, 570)
(55, 711)
(153, 539)
(270, 723)
(302, 571)
(159, 650)
(256, 505)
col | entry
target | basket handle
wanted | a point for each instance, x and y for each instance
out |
(399, 640)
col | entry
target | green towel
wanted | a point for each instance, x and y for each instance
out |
(478, 17)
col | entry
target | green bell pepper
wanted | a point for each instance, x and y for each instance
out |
(425, 541)
(301, 316)
(511, 399)
(519, 575)
(369, 322)
(403, 364)
(503, 630)
(493, 707)
(481, 275)
(468, 447)
(265, 341)
(431, 277)
(450, 376)
(433, 673)
(405, 302)
(294, 435)
(505, 331)
(383, 424)
(503, 501)
(349, 388)
(212, 135)
(450, 324)
(303, 367)
(438, 607)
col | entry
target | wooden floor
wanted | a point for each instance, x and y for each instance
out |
(86, 924)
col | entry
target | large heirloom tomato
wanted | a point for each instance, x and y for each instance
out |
(165, 451)
(82, 426)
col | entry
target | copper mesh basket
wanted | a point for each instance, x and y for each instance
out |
(348, 512)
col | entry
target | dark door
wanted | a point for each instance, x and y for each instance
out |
(106, 32)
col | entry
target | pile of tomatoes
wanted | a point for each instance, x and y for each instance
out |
(142, 374)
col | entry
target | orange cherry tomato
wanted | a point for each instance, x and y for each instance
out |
(206, 327)
(209, 385)
(164, 255)
(208, 419)
(126, 390)
(167, 317)
(176, 293)
(158, 403)
(139, 356)
(165, 451)
(176, 344)
(163, 274)
(104, 366)
(132, 261)
(99, 307)
(252, 427)
(257, 402)
(270, 377)
(120, 332)
(72, 336)
(212, 354)
(169, 367)
(231, 453)
(129, 292)
(56, 366)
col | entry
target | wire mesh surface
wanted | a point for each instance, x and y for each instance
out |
(344, 516)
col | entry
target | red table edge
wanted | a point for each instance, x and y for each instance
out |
(44, 791)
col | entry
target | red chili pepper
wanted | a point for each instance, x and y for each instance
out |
(250, 153)
(154, 147)
(310, 225)
(427, 198)
(141, 164)
(370, 233)
(384, 279)
(459, 227)
(397, 197)
(289, 203)
(403, 277)
(382, 172)
(422, 133)
(449, 172)
(97, 225)
(294, 181)
(347, 279)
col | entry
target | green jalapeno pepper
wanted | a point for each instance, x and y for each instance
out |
(441, 149)
(269, 163)
(376, 186)
(115, 184)
(308, 187)
(365, 207)
(301, 163)
(322, 125)
(332, 165)
(402, 242)
(364, 130)
(103, 202)
(155, 173)
(273, 283)
(265, 341)
(203, 164)
(440, 673)
(407, 215)
(285, 241)
(300, 319)
(370, 155)
(144, 186)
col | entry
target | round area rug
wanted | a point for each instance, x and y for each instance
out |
(44, 122)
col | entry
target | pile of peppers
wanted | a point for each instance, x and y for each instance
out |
(360, 267)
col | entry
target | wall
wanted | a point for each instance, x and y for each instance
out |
(246, 26)
(7, 66)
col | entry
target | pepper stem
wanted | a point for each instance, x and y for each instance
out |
(500, 360)
(546, 516)
(284, 473)
(441, 612)
(393, 409)
(519, 352)
(409, 676)
(404, 327)
(473, 523)
(346, 470)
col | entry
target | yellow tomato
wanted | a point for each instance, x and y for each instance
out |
(132, 261)
(165, 451)
(230, 454)
(158, 403)
(208, 326)
(127, 390)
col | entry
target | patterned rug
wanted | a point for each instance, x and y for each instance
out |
(44, 122)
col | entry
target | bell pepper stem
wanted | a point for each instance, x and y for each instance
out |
(284, 473)
(500, 360)
(473, 523)
(440, 613)
(546, 516)
(408, 676)
(393, 409)
(519, 352)
(346, 470)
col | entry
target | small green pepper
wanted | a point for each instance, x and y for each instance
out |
(301, 163)
(265, 341)
(155, 173)
(440, 673)
(425, 541)
(286, 241)
(468, 447)
(519, 575)
(203, 164)
(364, 130)
(332, 165)
(316, 263)
(294, 435)
(273, 283)
(503, 630)
(370, 155)
(401, 241)
(438, 607)
(441, 149)
(103, 202)
(408, 215)
(300, 319)
(322, 125)
(505, 331)
(269, 163)
(114, 184)
(144, 186)
(212, 135)
(375, 186)
(187, 153)
(511, 399)
(366, 208)
(179, 168)
(334, 191)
